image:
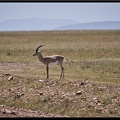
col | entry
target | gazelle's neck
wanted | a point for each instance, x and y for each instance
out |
(40, 57)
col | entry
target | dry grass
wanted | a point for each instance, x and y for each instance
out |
(93, 59)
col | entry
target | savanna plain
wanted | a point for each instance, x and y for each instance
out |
(90, 88)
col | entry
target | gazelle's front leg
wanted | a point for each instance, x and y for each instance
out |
(63, 71)
(47, 68)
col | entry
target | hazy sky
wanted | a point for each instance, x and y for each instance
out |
(79, 11)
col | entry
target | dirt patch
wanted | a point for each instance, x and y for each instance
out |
(57, 98)
(18, 64)
(6, 111)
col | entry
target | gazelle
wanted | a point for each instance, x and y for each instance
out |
(47, 60)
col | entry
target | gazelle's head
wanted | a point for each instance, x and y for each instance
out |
(37, 50)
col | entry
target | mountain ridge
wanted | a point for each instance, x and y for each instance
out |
(34, 24)
(30, 24)
(92, 26)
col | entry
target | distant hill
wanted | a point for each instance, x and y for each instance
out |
(55, 24)
(92, 26)
(34, 24)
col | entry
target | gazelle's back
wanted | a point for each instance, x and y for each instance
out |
(54, 58)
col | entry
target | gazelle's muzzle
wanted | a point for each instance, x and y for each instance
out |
(34, 54)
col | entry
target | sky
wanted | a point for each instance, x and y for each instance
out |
(79, 11)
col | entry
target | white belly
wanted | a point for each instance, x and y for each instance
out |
(54, 63)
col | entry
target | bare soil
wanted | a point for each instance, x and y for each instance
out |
(8, 112)
(87, 93)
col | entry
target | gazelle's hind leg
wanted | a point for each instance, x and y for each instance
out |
(62, 68)
(62, 72)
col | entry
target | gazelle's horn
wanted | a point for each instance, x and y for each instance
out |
(39, 47)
